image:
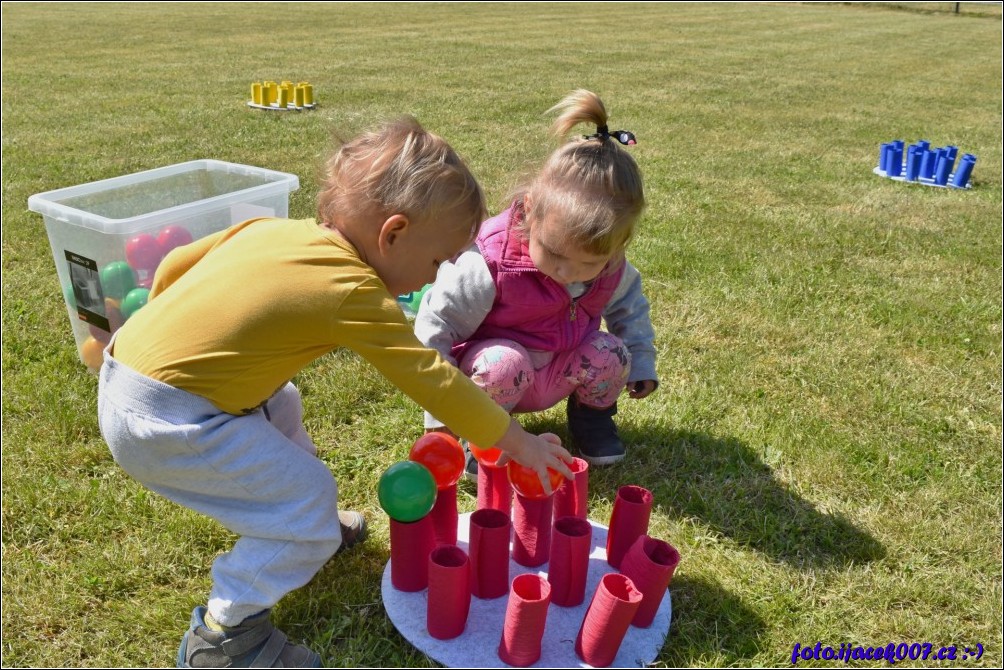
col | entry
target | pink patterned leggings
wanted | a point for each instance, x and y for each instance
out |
(596, 372)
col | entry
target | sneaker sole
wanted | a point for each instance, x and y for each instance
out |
(602, 460)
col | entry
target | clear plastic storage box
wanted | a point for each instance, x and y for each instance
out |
(108, 236)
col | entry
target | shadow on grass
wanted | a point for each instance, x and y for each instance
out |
(710, 626)
(725, 484)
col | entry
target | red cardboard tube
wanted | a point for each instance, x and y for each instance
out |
(494, 489)
(628, 520)
(572, 497)
(531, 524)
(410, 545)
(525, 617)
(650, 564)
(449, 592)
(489, 546)
(571, 541)
(444, 516)
(607, 620)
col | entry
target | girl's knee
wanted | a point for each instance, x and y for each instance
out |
(502, 368)
(605, 351)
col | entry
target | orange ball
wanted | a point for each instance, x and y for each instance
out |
(442, 455)
(486, 455)
(526, 482)
(91, 354)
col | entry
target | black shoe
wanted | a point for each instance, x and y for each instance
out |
(594, 433)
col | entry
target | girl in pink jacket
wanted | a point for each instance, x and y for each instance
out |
(520, 312)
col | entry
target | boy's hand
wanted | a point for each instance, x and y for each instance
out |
(537, 452)
(639, 390)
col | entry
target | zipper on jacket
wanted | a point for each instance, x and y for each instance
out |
(575, 304)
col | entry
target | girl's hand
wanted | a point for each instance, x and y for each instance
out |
(537, 452)
(639, 390)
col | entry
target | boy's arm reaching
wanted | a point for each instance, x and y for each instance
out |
(371, 324)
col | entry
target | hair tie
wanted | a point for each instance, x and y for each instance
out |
(622, 136)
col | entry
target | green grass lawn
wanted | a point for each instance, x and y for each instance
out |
(825, 448)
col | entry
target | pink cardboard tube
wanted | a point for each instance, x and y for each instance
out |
(525, 617)
(572, 497)
(449, 592)
(571, 542)
(410, 545)
(628, 520)
(444, 516)
(650, 564)
(489, 545)
(494, 489)
(531, 524)
(606, 622)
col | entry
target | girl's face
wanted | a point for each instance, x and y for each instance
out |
(557, 257)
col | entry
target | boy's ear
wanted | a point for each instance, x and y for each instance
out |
(391, 231)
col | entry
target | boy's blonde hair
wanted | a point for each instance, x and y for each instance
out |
(400, 168)
(593, 185)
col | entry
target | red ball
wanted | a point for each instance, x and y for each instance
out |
(486, 455)
(173, 237)
(143, 252)
(526, 482)
(442, 455)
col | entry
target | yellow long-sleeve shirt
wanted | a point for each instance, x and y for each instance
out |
(234, 316)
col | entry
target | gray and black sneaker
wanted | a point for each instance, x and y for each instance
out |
(255, 643)
(594, 433)
(470, 465)
(353, 527)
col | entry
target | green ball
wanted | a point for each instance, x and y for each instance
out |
(135, 299)
(407, 491)
(117, 279)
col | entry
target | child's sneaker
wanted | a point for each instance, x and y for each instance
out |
(594, 433)
(353, 526)
(255, 643)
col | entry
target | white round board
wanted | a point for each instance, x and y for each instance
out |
(477, 646)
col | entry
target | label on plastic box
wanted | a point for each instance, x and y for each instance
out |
(87, 291)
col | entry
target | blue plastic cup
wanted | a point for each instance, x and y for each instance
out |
(928, 164)
(913, 163)
(965, 169)
(943, 170)
(896, 161)
(883, 163)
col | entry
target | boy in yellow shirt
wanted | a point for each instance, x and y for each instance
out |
(195, 400)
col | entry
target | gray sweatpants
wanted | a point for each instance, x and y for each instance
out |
(256, 474)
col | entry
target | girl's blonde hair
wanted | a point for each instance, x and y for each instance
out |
(400, 168)
(591, 183)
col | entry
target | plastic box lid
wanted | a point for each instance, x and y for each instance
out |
(122, 204)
